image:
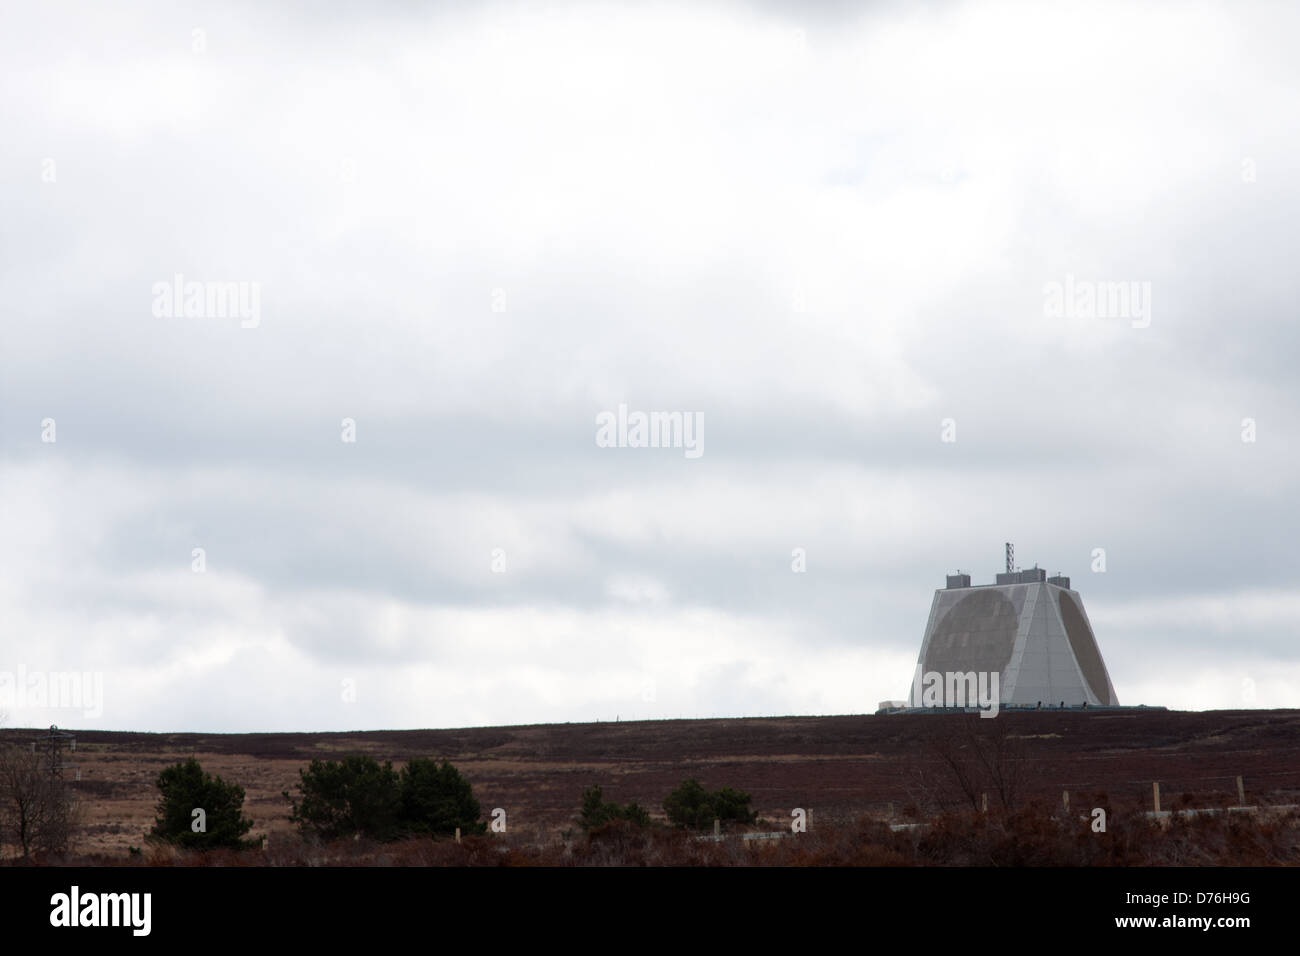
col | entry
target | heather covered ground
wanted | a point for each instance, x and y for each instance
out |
(855, 776)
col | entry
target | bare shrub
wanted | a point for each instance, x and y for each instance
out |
(970, 757)
(39, 813)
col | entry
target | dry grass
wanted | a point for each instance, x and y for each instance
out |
(844, 770)
(1031, 837)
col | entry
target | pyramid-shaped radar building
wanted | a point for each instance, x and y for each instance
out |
(1028, 628)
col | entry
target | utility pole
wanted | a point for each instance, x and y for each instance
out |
(53, 744)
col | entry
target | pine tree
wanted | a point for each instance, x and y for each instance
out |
(185, 788)
(437, 799)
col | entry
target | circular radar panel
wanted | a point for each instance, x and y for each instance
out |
(1085, 649)
(978, 634)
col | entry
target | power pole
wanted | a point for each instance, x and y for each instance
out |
(53, 744)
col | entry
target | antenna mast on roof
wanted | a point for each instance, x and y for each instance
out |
(1011, 557)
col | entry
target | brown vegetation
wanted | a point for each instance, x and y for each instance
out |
(39, 813)
(1031, 836)
(852, 774)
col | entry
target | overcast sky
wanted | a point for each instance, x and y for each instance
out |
(830, 238)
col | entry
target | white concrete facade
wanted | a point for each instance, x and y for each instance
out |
(1036, 636)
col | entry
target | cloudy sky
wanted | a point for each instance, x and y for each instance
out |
(830, 238)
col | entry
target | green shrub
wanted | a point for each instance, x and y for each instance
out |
(354, 796)
(437, 799)
(596, 812)
(186, 788)
(358, 796)
(693, 807)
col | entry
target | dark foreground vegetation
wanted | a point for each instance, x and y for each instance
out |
(1032, 836)
(946, 790)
